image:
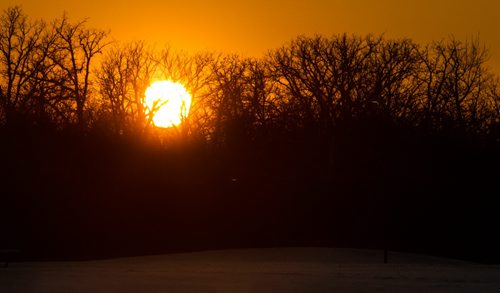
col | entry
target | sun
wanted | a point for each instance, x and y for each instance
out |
(169, 102)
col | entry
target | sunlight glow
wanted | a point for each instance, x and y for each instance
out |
(169, 102)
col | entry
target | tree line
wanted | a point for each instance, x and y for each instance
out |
(63, 74)
(327, 139)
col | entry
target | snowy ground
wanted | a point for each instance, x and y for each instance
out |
(255, 270)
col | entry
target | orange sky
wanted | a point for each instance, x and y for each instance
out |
(251, 28)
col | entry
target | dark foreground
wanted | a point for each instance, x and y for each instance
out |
(68, 196)
(256, 270)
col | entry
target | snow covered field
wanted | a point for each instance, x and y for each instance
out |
(255, 270)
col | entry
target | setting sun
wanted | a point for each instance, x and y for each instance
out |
(169, 102)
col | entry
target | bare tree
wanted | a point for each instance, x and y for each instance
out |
(392, 83)
(452, 78)
(225, 101)
(491, 111)
(327, 78)
(193, 72)
(124, 75)
(239, 99)
(75, 49)
(260, 96)
(22, 55)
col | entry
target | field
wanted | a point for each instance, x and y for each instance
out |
(310, 269)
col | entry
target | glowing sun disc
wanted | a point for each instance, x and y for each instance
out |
(169, 102)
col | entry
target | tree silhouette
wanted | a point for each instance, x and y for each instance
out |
(124, 75)
(239, 99)
(391, 84)
(454, 83)
(192, 71)
(23, 52)
(75, 48)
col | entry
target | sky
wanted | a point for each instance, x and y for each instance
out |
(252, 27)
